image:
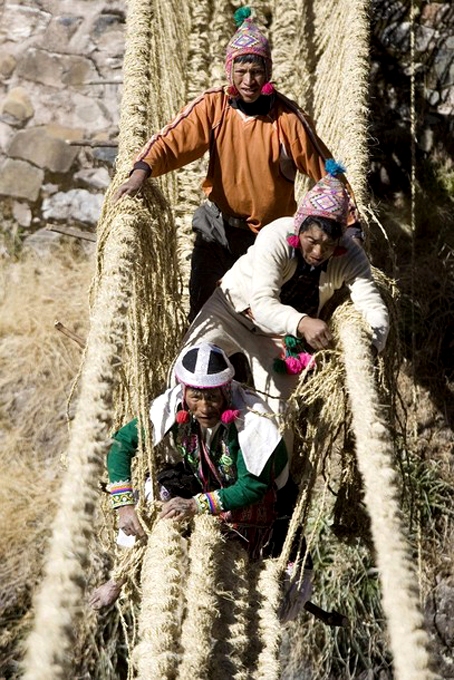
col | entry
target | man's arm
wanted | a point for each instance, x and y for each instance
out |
(186, 138)
(355, 271)
(119, 459)
(271, 266)
(248, 488)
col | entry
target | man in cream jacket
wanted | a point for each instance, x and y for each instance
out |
(267, 305)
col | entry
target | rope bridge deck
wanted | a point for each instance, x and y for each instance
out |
(174, 50)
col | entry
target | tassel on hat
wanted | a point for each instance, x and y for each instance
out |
(241, 14)
(182, 417)
(229, 415)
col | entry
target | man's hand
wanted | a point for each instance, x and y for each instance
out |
(128, 521)
(178, 508)
(106, 594)
(131, 186)
(315, 332)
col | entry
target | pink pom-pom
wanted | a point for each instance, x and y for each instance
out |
(182, 417)
(307, 360)
(294, 365)
(232, 91)
(230, 415)
(293, 241)
(268, 88)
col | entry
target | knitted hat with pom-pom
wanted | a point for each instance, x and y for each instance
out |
(328, 198)
(248, 39)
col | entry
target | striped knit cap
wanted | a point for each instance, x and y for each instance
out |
(328, 198)
(247, 40)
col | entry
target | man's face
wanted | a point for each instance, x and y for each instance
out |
(248, 80)
(316, 246)
(205, 405)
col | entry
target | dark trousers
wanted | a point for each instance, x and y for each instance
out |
(217, 247)
(285, 504)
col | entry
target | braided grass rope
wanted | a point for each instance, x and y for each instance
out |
(58, 602)
(232, 657)
(408, 640)
(269, 629)
(293, 50)
(342, 31)
(189, 195)
(163, 580)
(197, 639)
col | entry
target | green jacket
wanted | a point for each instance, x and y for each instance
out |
(240, 487)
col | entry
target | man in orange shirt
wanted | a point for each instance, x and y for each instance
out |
(257, 140)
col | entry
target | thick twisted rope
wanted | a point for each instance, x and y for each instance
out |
(408, 640)
(58, 603)
(163, 583)
(197, 639)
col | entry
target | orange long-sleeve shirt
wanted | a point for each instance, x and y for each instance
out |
(253, 159)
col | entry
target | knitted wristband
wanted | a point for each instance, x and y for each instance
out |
(121, 493)
(208, 503)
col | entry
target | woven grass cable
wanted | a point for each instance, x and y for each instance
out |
(231, 658)
(163, 582)
(189, 195)
(58, 601)
(222, 27)
(293, 51)
(155, 312)
(197, 79)
(409, 642)
(341, 85)
(197, 640)
(318, 410)
(269, 629)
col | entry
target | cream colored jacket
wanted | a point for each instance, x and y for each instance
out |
(255, 281)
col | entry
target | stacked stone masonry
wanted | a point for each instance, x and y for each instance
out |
(60, 82)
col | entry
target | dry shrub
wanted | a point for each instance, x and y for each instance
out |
(37, 368)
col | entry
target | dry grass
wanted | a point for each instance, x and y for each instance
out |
(37, 368)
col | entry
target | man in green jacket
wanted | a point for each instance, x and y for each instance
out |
(232, 463)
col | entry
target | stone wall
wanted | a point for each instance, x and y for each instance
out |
(60, 74)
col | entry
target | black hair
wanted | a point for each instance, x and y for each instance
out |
(332, 228)
(250, 59)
